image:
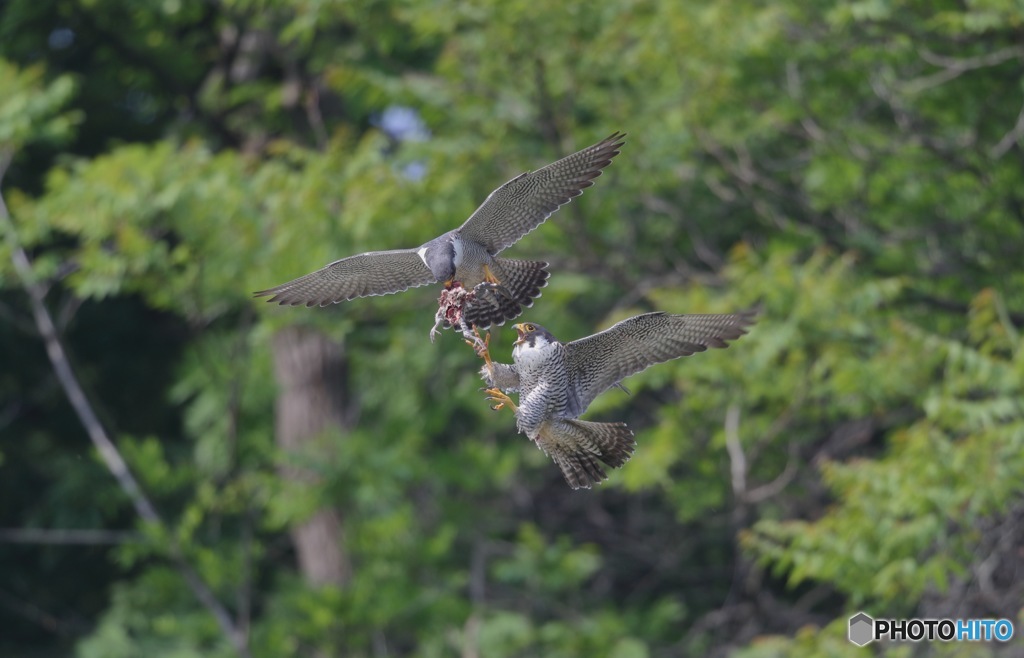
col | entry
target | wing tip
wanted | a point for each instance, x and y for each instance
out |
(274, 295)
(745, 319)
(613, 143)
(616, 136)
(603, 153)
(279, 296)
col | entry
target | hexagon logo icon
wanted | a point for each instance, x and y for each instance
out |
(861, 629)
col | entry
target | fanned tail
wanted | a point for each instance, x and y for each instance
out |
(579, 447)
(493, 304)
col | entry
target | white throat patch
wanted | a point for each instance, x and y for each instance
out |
(527, 356)
(459, 249)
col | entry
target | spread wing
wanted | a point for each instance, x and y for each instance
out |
(523, 203)
(372, 273)
(598, 362)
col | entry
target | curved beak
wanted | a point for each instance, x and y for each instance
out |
(519, 330)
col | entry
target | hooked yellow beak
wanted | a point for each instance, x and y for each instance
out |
(519, 330)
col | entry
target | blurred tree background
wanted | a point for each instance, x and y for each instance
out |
(856, 165)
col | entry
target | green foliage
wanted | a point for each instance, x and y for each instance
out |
(854, 168)
(130, 627)
(909, 520)
(30, 109)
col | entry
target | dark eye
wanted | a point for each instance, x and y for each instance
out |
(530, 327)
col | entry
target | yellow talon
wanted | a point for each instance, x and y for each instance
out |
(489, 276)
(481, 345)
(497, 395)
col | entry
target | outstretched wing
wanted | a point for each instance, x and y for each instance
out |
(523, 203)
(372, 273)
(598, 362)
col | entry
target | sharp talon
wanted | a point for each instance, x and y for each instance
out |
(496, 395)
(489, 276)
(481, 345)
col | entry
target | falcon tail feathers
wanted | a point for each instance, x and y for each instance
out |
(521, 281)
(579, 447)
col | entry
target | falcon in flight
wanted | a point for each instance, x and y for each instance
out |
(480, 288)
(557, 381)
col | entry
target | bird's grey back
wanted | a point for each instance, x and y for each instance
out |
(438, 255)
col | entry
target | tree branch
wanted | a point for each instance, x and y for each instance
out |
(31, 612)
(953, 67)
(65, 537)
(737, 460)
(108, 451)
(1009, 139)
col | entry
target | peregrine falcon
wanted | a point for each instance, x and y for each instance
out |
(497, 289)
(557, 381)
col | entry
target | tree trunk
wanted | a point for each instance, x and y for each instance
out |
(311, 374)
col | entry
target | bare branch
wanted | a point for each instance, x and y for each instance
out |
(970, 63)
(311, 104)
(953, 67)
(1009, 139)
(737, 460)
(471, 636)
(66, 536)
(106, 448)
(794, 86)
(31, 612)
(766, 491)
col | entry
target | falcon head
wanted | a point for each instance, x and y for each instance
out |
(532, 335)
